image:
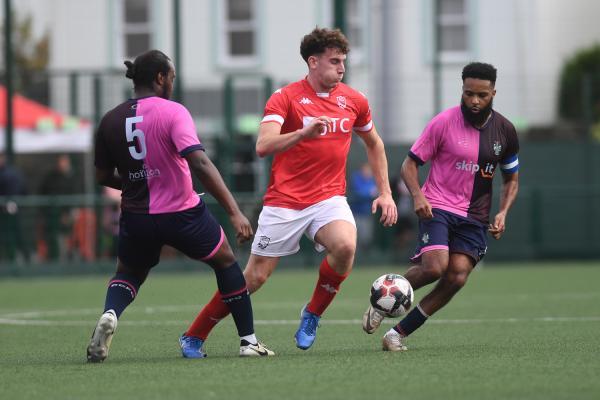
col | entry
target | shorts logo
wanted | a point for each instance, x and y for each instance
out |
(425, 238)
(341, 100)
(264, 242)
(497, 148)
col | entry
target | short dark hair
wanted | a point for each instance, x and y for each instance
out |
(479, 70)
(146, 66)
(321, 39)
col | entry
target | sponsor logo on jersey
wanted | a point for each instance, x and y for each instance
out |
(341, 101)
(337, 125)
(143, 174)
(305, 100)
(486, 172)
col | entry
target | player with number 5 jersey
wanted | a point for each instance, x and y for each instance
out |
(145, 147)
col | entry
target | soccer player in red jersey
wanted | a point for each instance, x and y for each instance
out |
(465, 145)
(308, 126)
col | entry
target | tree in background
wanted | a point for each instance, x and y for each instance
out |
(579, 99)
(31, 56)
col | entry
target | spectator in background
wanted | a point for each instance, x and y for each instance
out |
(12, 241)
(363, 190)
(56, 223)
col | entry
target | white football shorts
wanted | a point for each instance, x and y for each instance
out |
(280, 229)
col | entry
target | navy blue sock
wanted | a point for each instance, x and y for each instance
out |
(234, 294)
(411, 322)
(122, 290)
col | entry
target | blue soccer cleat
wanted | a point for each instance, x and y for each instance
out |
(192, 347)
(307, 332)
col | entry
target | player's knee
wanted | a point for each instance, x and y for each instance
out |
(433, 270)
(344, 250)
(457, 280)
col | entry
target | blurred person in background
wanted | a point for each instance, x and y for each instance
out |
(403, 234)
(12, 241)
(147, 147)
(307, 126)
(56, 223)
(465, 144)
(363, 190)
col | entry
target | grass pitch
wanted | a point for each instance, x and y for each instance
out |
(522, 331)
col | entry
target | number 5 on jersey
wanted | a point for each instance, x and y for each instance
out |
(131, 134)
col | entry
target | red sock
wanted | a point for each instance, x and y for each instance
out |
(327, 287)
(208, 318)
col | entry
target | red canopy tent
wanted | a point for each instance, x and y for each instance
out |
(40, 129)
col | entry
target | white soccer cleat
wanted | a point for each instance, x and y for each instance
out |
(392, 341)
(97, 350)
(371, 320)
(254, 350)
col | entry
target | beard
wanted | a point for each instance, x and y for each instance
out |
(477, 119)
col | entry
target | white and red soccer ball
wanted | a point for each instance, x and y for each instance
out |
(392, 295)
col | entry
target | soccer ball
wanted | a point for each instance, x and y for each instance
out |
(392, 295)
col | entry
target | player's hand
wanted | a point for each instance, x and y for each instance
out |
(242, 227)
(423, 208)
(497, 228)
(389, 212)
(317, 126)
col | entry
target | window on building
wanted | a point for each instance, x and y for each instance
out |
(239, 32)
(137, 27)
(452, 22)
(355, 29)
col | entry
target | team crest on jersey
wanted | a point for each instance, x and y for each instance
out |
(497, 148)
(264, 242)
(341, 100)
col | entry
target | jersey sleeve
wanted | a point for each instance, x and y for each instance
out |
(510, 160)
(102, 157)
(276, 109)
(183, 132)
(427, 144)
(363, 122)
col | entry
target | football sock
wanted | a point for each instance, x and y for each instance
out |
(122, 290)
(412, 321)
(327, 287)
(251, 339)
(234, 293)
(208, 318)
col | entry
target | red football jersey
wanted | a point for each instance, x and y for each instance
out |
(314, 169)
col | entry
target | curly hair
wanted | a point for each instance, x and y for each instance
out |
(146, 66)
(321, 39)
(478, 70)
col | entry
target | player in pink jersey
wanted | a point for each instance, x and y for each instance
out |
(308, 126)
(464, 144)
(145, 147)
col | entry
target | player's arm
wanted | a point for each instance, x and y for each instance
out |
(271, 141)
(212, 181)
(379, 166)
(510, 188)
(109, 178)
(410, 176)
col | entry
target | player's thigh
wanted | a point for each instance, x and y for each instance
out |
(433, 235)
(279, 231)
(333, 226)
(139, 243)
(469, 238)
(198, 235)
